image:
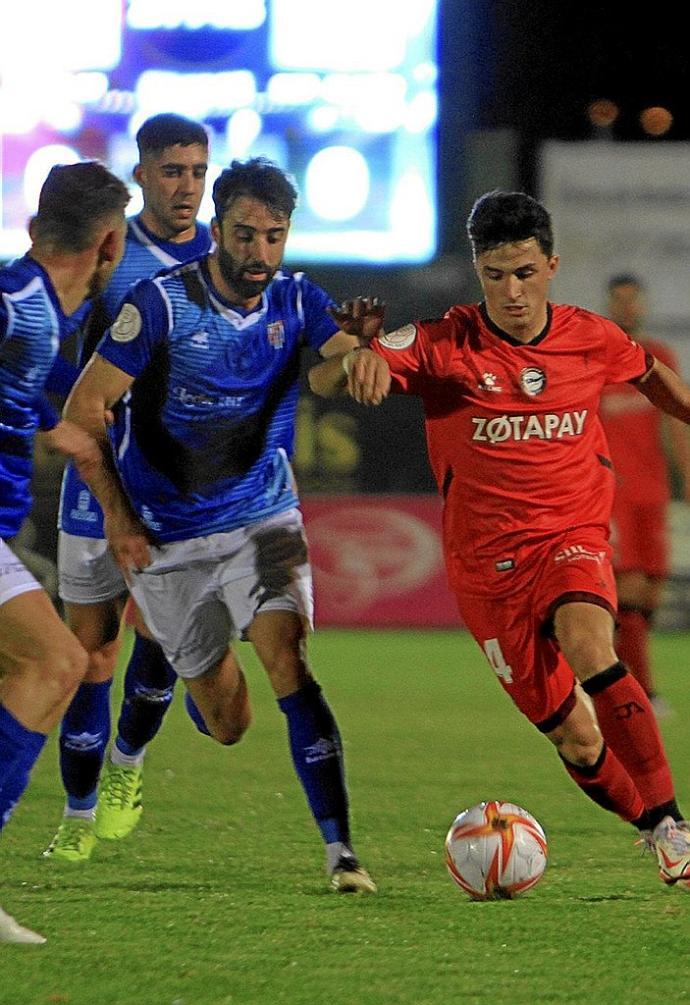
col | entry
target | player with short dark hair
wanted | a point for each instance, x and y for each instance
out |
(643, 443)
(77, 238)
(173, 160)
(511, 390)
(202, 369)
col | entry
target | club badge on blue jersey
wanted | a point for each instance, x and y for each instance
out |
(275, 333)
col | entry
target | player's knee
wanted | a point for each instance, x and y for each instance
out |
(228, 734)
(64, 671)
(581, 748)
(226, 729)
(230, 728)
(287, 671)
(586, 651)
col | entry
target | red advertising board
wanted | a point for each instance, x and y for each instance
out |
(378, 561)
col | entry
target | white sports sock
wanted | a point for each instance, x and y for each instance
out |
(127, 760)
(81, 814)
(334, 852)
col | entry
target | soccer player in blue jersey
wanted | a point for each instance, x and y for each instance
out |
(201, 367)
(173, 159)
(77, 239)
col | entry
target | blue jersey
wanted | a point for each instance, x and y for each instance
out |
(203, 438)
(32, 324)
(145, 255)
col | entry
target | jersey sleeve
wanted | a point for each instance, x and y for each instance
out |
(313, 302)
(626, 360)
(415, 353)
(142, 322)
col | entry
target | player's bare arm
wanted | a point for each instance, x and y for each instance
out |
(99, 387)
(350, 366)
(665, 389)
(71, 441)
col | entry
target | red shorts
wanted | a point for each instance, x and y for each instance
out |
(638, 536)
(514, 630)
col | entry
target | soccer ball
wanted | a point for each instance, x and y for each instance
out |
(495, 851)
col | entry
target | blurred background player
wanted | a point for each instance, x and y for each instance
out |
(173, 160)
(77, 239)
(642, 440)
(203, 365)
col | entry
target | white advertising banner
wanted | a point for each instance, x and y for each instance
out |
(623, 207)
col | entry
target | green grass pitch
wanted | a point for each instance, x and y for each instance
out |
(219, 897)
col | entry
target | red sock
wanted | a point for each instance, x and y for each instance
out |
(609, 785)
(630, 729)
(632, 644)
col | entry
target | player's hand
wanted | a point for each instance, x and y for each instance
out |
(72, 441)
(362, 317)
(368, 376)
(129, 542)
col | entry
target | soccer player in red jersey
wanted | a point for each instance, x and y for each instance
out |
(637, 435)
(511, 390)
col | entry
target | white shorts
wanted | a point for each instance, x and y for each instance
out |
(15, 578)
(197, 595)
(87, 571)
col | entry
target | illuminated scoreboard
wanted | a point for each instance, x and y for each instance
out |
(342, 95)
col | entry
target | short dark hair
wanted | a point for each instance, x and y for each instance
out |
(259, 178)
(624, 279)
(507, 217)
(76, 199)
(167, 130)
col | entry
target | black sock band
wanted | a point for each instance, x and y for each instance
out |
(586, 770)
(604, 679)
(657, 813)
(646, 612)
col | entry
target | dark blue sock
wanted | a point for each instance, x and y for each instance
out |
(194, 714)
(19, 750)
(149, 684)
(318, 759)
(84, 734)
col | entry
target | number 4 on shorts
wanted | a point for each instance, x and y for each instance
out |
(494, 654)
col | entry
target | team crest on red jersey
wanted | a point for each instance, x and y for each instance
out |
(276, 334)
(401, 338)
(532, 380)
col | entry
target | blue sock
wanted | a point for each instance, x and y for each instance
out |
(84, 734)
(194, 714)
(149, 684)
(318, 759)
(19, 750)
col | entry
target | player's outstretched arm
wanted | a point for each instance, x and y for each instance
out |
(359, 371)
(99, 387)
(667, 391)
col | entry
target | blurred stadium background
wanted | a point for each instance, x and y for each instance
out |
(393, 118)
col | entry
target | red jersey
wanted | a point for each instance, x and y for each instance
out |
(514, 437)
(633, 428)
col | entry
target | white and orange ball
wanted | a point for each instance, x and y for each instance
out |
(496, 851)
